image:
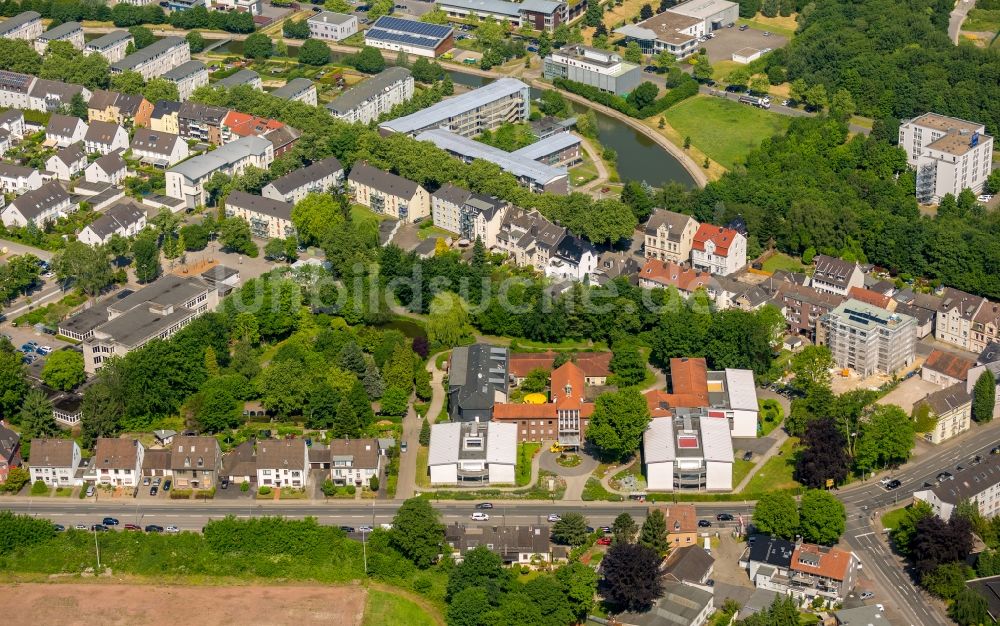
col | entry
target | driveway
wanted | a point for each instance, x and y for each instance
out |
(575, 477)
(958, 16)
(729, 40)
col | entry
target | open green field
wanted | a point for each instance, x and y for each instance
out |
(388, 609)
(724, 130)
(892, 518)
(982, 20)
(782, 261)
(776, 473)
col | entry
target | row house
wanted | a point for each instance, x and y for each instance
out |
(156, 59)
(55, 462)
(282, 138)
(188, 77)
(388, 194)
(27, 25)
(109, 168)
(985, 326)
(10, 451)
(45, 204)
(23, 91)
(596, 366)
(200, 122)
(186, 180)
(469, 215)
(268, 218)
(68, 162)
(105, 138)
(6, 142)
(718, 250)
(13, 122)
(283, 463)
(528, 238)
(669, 236)
(158, 148)
(921, 306)
(71, 32)
(65, 130)
(118, 462)
(17, 179)
(113, 46)
(803, 306)
(119, 108)
(195, 462)
(564, 418)
(354, 461)
(165, 117)
(836, 276)
(319, 177)
(125, 219)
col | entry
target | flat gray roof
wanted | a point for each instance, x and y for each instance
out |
(63, 30)
(151, 51)
(362, 92)
(205, 164)
(702, 9)
(170, 289)
(452, 107)
(550, 145)
(508, 161)
(329, 17)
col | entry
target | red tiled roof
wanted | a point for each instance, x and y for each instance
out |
(721, 237)
(833, 562)
(669, 273)
(870, 297)
(567, 385)
(523, 411)
(681, 518)
(593, 364)
(245, 125)
(949, 364)
(689, 376)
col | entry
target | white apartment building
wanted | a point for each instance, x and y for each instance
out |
(155, 59)
(949, 155)
(868, 339)
(297, 90)
(368, 100)
(283, 463)
(471, 113)
(67, 31)
(111, 46)
(836, 276)
(27, 25)
(55, 462)
(186, 180)
(118, 462)
(669, 236)
(253, 7)
(978, 483)
(268, 218)
(329, 26)
(188, 77)
(126, 219)
(469, 215)
(17, 179)
(319, 177)
(45, 204)
(718, 250)
(65, 130)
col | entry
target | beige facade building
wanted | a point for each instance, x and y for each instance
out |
(388, 194)
(67, 31)
(155, 59)
(268, 218)
(27, 25)
(952, 406)
(955, 318)
(669, 236)
(111, 46)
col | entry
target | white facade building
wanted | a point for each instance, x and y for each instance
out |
(155, 59)
(118, 462)
(188, 77)
(686, 452)
(186, 180)
(67, 31)
(472, 453)
(283, 463)
(27, 25)
(718, 250)
(978, 483)
(126, 219)
(329, 26)
(105, 138)
(55, 462)
(368, 100)
(111, 46)
(949, 155)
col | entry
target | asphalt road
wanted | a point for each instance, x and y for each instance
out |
(958, 15)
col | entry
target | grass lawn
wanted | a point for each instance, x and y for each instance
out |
(982, 20)
(776, 473)
(777, 25)
(782, 261)
(388, 609)
(724, 130)
(721, 69)
(594, 490)
(892, 518)
(423, 478)
(740, 469)
(360, 213)
(525, 453)
(583, 173)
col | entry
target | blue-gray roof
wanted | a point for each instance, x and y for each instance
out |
(438, 113)
(293, 88)
(151, 51)
(222, 157)
(409, 32)
(63, 30)
(112, 38)
(353, 97)
(184, 70)
(549, 145)
(18, 21)
(242, 77)
(519, 166)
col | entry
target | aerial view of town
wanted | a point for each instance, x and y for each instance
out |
(500, 312)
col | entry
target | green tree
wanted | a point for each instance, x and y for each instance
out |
(128, 82)
(369, 60)
(299, 29)
(643, 95)
(143, 36)
(258, 46)
(435, 16)
(632, 577)
(969, 609)
(160, 89)
(195, 41)
(905, 532)
(339, 6)
(394, 402)
(78, 107)
(64, 370)
(35, 417)
(235, 236)
(654, 532)
(760, 84)
(417, 532)
(448, 323)
(379, 8)
(146, 256)
(314, 52)
(618, 422)
(816, 96)
(812, 366)
(217, 409)
(571, 530)
(316, 217)
(702, 69)
(821, 517)
(628, 364)
(579, 584)
(87, 267)
(984, 397)
(624, 528)
(469, 607)
(18, 55)
(594, 15)
(633, 54)
(536, 380)
(777, 514)
(645, 12)
(842, 106)
(480, 569)
(425, 432)
(886, 438)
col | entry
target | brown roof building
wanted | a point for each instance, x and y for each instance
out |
(195, 462)
(118, 462)
(946, 368)
(596, 366)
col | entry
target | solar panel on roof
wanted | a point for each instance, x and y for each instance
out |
(420, 28)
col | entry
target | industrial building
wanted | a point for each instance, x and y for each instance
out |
(410, 36)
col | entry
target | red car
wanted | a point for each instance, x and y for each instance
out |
(131, 527)
(604, 541)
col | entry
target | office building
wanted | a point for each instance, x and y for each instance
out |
(471, 113)
(590, 66)
(410, 36)
(686, 452)
(329, 26)
(472, 453)
(367, 101)
(949, 155)
(564, 418)
(868, 339)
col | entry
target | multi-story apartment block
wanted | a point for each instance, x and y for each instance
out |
(126, 219)
(242, 77)
(45, 204)
(718, 250)
(67, 31)
(952, 408)
(529, 239)
(268, 218)
(868, 339)
(23, 91)
(319, 177)
(985, 326)
(979, 484)
(669, 236)
(590, 66)
(949, 155)
(367, 101)
(236, 125)
(186, 180)
(188, 77)
(470, 215)
(156, 311)
(956, 317)
(198, 121)
(112, 46)
(388, 194)
(118, 462)
(805, 571)
(330, 26)
(155, 59)
(297, 90)
(55, 462)
(803, 306)
(688, 451)
(535, 14)
(27, 26)
(195, 462)
(471, 113)
(833, 275)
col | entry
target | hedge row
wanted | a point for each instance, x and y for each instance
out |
(688, 87)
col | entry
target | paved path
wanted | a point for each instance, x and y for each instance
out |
(575, 477)
(602, 170)
(958, 15)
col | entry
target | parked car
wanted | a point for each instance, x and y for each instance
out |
(484, 505)
(29, 347)
(145, 481)
(743, 27)
(43, 350)
(157, 481)
(986, 197)
(347, 529)
(604, 541)
(606, 529)
(553, 517)
(704, 523)
(724, 517)
(532, 48)
(364, 529)
(166, 485)
(110, 521)
(224, 483)
(747, 455)
(402, 447)
(153, 528)
(767, 34)
(868, 595)
(649, 69)
(479, 516)
(710, 582)
(98, 528)
(90, 491)
(173, 529)
(132, 527)
(58, 528)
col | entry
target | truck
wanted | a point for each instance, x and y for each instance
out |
(763, 103)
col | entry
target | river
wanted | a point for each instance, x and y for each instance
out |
(639, 158)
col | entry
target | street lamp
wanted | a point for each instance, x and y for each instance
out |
(97, 549)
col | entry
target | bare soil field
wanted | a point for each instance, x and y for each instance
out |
(147, 605)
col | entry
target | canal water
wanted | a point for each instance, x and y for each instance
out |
(639, 158)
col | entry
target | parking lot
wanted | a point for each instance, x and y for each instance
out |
(729, 40)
